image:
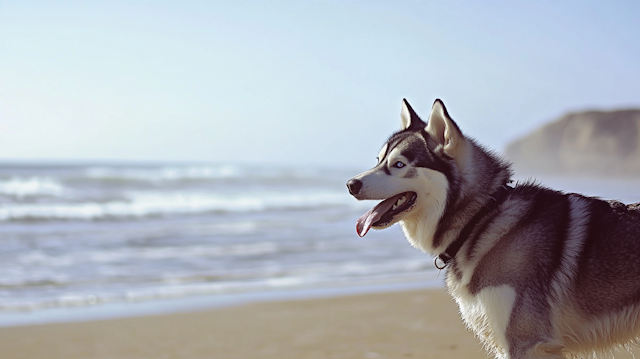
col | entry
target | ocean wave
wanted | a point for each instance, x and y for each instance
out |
(173, 288)
(144, 204)
(181, 173)
(21, 187)
(163, 173)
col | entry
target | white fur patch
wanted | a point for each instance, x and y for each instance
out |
(487, 314)
(420, 224)
(383, 151)
(394, 154)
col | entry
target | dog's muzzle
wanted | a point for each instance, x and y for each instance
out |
(354, 186)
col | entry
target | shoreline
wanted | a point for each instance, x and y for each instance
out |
(420, 323)
(117, 310)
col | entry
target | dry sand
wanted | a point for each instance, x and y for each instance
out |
(415, 324)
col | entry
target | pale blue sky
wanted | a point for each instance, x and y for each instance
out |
(297, 81)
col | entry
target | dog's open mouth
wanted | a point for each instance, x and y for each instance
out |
(382, 214)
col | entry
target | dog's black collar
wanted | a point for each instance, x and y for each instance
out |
(496, 199)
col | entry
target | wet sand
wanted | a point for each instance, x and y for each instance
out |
(413, 324)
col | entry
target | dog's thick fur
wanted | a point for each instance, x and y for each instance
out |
(543, 274)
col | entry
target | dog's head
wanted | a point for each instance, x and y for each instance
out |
(413, 173)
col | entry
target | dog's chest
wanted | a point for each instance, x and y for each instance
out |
(486, 313)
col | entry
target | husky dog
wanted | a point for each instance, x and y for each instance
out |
(536, 273)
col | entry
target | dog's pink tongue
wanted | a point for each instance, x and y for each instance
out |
(364, 223)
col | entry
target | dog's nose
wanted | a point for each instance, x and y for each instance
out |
(354, 186)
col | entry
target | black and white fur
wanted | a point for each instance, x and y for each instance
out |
(542, 275)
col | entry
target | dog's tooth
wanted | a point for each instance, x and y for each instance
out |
(394, 206)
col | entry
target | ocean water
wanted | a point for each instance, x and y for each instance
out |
(80, 236)
(73, 236)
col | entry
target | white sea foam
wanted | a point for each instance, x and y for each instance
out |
(141, 204)
(164, 173)
(127, 255)
(21, 187)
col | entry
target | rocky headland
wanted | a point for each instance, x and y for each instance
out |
(600, 143)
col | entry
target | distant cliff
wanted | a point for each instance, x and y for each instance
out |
(591, 142)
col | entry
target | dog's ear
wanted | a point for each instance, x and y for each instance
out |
(409, 118)
(443, 129)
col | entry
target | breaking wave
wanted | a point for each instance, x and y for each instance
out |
(21, 187)
(174, 174)
(162, 174)
(162, 203)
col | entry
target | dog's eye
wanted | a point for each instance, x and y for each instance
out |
(398, 165)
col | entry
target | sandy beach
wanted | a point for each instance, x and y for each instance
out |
(412, 324)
